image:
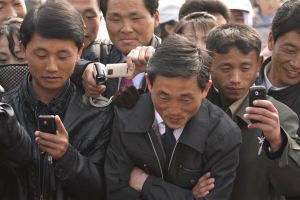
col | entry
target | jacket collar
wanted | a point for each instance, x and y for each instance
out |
(57, 106)
(260, 78)
(195, 132)
(241, 111)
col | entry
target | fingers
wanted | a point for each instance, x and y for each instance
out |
(60, 127)
(54, 145)
(204, 185)
(268, 121)
(138, 58)
(265, 113)
(89, 84)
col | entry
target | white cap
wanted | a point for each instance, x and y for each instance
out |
(169, 10)
(244, 5)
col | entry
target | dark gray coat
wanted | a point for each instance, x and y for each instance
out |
(210, 141)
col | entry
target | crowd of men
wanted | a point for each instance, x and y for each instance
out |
(180, 128)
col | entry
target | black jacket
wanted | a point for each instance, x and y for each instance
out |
(108, 53)
(210, 141)
(79, 173)
(290, 96)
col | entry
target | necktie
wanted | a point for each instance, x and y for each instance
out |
(125, 81)
(168, 141)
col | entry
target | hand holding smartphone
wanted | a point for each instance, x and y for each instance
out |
(255, 93)
(47, 124)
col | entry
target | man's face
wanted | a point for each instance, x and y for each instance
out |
(51, 62)
(176, 99)
(129, 24)
(233, 73)
(12, 8)
(285, 68)
(90, 14)
(6, 57)
(236, 16)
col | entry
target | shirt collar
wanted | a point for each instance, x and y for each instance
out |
(36, 100)
(161, 126)
(233, 108)
(266, 81)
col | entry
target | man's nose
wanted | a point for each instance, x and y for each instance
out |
(11, 12)
(235, 77)
(127, 26)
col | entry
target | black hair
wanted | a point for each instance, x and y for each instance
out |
(210, 6)
(286, 19)
(223, 38)
(179, 57)
(151, 6)
(55, 19)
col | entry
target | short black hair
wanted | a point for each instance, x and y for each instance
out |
(287, 18)
(179, 57)
(210, 6)
(55, 19)
(9, 29)
(223, 38)
(151, 6)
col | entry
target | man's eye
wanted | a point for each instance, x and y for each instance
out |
(227, 69)
(20, 59)
(164, 99)
(63, 58)
(40, 56)
(90, 17)
(186, 101)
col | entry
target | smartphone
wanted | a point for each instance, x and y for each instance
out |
(47, 124)
(118, 70)
(256, 92)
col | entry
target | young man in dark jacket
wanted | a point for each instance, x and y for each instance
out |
(269, 165)
(68, 164)
(145, 160)
(280, 73)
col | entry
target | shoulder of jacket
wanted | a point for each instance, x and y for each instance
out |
(81, 100)
(11, 96)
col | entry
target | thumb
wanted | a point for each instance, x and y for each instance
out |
(60, 128)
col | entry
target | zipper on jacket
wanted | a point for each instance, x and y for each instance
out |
(40, 159)
(172, 155)
(51, 172)
(162, 175)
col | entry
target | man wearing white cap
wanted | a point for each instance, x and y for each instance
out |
(241, 11)
(168, 16)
